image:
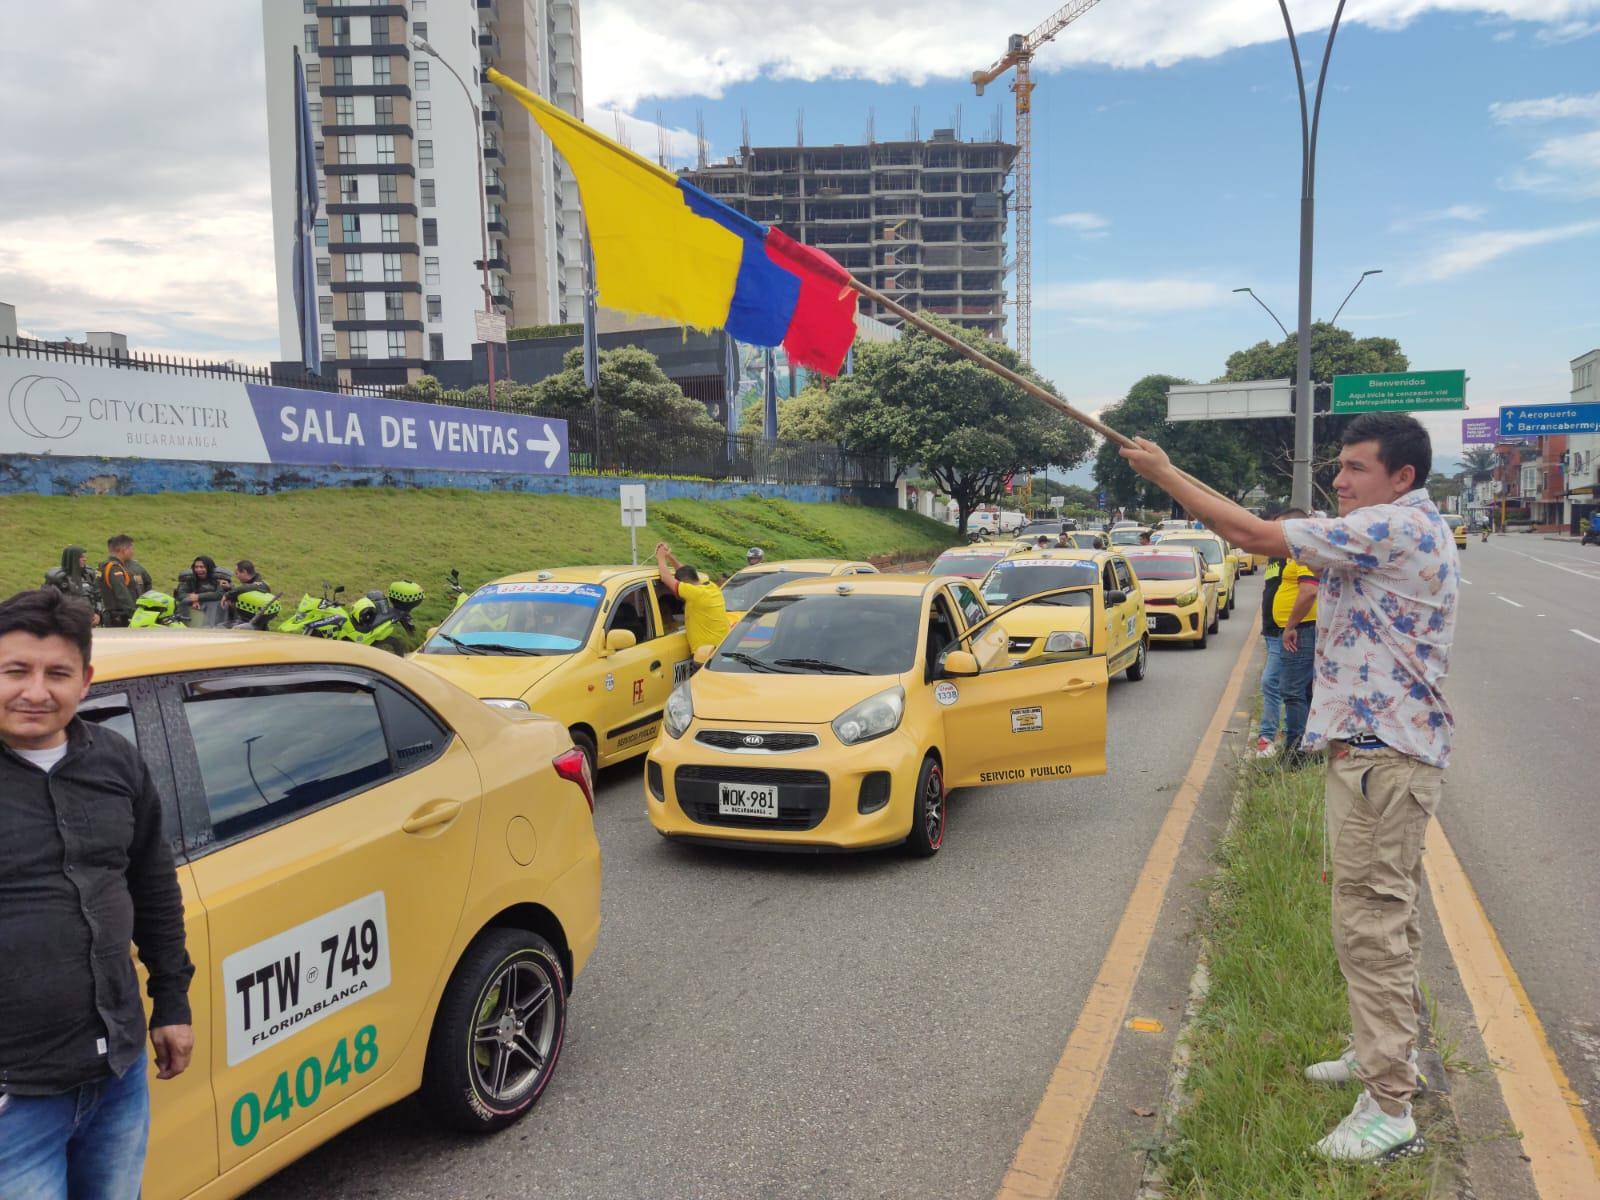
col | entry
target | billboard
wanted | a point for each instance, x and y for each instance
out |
(83, 410)
(1480, 431)
(1230, 401)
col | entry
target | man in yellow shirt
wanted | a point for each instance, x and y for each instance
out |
(1294, 607)
(705, 616)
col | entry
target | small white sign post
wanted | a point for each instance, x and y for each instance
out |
(632, 496)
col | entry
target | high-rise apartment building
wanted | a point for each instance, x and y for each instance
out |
(923, 222)
(399, 233)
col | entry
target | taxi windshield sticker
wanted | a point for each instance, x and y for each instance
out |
(289, 982)
(560, 593)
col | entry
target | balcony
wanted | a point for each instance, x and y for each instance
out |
(493, 152)
(500, 262)
(500, 225)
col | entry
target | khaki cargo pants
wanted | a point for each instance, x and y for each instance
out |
(1379, 802)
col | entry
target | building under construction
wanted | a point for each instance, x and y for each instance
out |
(923, 222)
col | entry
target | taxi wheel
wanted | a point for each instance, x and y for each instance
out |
(1224, 611)
(1141, 661)
(1205, 634)
(584, 742)
(928, 811)
(498, 1032)
(1216, 619)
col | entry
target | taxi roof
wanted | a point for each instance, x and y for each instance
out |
(1188, 535)
(588, 574)
(986, 548)
(121, 653)
(1066, 553)
(803, 564)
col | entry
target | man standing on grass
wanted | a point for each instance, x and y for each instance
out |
(85, 874)
(1389, 584)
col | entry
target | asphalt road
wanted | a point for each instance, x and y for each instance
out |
(759, 1025)
(1522, 796)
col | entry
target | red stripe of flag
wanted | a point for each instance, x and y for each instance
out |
(824, 321)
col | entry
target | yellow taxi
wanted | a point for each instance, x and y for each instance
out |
(967, 562)
(387, 887)
(1180, 593)
(1064, 624)
(597, 648)
(1458, 529)
(1219, 557)
(741, 592)
(1133, 535)
(839, 713)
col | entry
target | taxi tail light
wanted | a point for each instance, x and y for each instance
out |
(574, 765)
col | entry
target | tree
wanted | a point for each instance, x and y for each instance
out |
(1480, 460)
(1216, 451)
(1334, 351)
(631, 383)
(1442, 486)
(806, 416)
(921, 403)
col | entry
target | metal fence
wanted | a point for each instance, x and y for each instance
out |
(611, 443)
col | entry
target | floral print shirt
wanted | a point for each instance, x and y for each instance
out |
(1386, 618)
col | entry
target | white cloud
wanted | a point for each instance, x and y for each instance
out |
(1085, 224)
(639, 48)
(1568, 31)
(1474, 250)
(1101, 297)
(1547, 108)
(1456, 212)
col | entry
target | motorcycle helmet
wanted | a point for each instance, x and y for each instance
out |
(157, 607)
(253, 604)
(364, 612)
(405, 595)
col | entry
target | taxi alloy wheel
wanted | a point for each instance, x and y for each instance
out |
(928, 812)
(1137, 668)
(498, 1032)
(584, 742)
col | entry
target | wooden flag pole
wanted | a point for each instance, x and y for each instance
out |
(1006, 373)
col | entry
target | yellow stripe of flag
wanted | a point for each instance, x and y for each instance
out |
(652, 254)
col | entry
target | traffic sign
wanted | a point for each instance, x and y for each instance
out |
(1399, 391)
(1534, 420)
(632, 497)
(1230, 401)
(1057, 501)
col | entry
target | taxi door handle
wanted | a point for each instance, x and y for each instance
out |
(441, 812)
(656, 666)
(1076, 687)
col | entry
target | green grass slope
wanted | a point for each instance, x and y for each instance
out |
(365, 538)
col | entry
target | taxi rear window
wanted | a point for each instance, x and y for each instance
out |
(741, 592)
(1018, 578)
(1162, 566)
(1209, 550)
(969, 566)
(520, 618)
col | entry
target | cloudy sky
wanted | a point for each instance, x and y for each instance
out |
(1460, 154)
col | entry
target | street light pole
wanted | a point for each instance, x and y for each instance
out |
(1263, 304)
(423, 45)
(1305, 391)
(1352, 292)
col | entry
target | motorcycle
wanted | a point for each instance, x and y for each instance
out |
(256, 610)
(327, 613)
(453, 585)
(383, 619)
(1591, 538)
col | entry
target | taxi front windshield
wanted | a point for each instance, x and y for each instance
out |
(1018, 578)
(741, 592)
(1453, 520)
(968, 566)
(824, 633)
(1163, 566)
(1209, 550)
(520, 618)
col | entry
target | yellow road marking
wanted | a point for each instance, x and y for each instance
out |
(1556, 1137)
(1041, 1161)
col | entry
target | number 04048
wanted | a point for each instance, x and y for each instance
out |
(303, 1087)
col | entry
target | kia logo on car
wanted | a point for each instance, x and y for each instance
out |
(754, 739)
(44, 407)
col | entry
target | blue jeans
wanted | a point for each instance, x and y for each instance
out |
(1296, 684)
(86, 1144)
(1272, 688)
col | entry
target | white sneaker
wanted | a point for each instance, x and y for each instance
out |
(1342, 1070)
(1266, 748)
(1369, 1134)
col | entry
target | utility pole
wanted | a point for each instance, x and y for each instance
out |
(1305, 390)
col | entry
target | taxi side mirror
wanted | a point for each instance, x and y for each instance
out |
(1116, 596)
(1213, 577)
(702, 654)
(959, 664)
(620, 639)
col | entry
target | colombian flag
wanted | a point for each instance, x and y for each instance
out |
(665, 248)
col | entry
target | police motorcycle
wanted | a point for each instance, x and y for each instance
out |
(255, 610)
(453, 585)
(156, 610)
(320, 611)
(383, 618)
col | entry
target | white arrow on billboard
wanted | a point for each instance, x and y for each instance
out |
(550, 444)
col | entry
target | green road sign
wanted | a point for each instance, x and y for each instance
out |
(1399, 391)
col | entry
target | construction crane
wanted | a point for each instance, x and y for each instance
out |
(1019, 54)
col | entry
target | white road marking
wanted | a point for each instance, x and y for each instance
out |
(1545, 562)
(1464, 579)
(1589, 636)
(1509, 601)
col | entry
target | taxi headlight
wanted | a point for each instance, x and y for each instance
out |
(506, 702)
(1187, 598)
(1063, 640)
(872, 718)
(680, 710)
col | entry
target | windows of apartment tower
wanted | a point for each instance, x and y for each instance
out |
(316, 112)
(341, 31)
(347, 149)
(436, 346)
(388, 189)
(318, 153)
(320, 231)
(325, 310)
(342, 76)
(383, 110)
(435, 308)
(349, 189)
(324, 270)
(397, 343)
(353, 268)
(430, 231)
(349, 228)
(380, 31)
(423, 110)
(430, 272)
(394, 304)
(389, 228)
(420, 28)
(313, 75)
(428, 199)
(311, 39)
(419, 74)
(386, 147)
(380, 70)
(344, 110)
(425, 152)
(358, 343)
(355, 306)
(330, 345)
(391, 267)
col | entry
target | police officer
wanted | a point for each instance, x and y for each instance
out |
(121, 581)
(74, 578)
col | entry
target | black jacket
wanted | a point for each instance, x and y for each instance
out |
(85, 873)
(74, 580)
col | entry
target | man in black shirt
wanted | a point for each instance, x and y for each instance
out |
(85, 873)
